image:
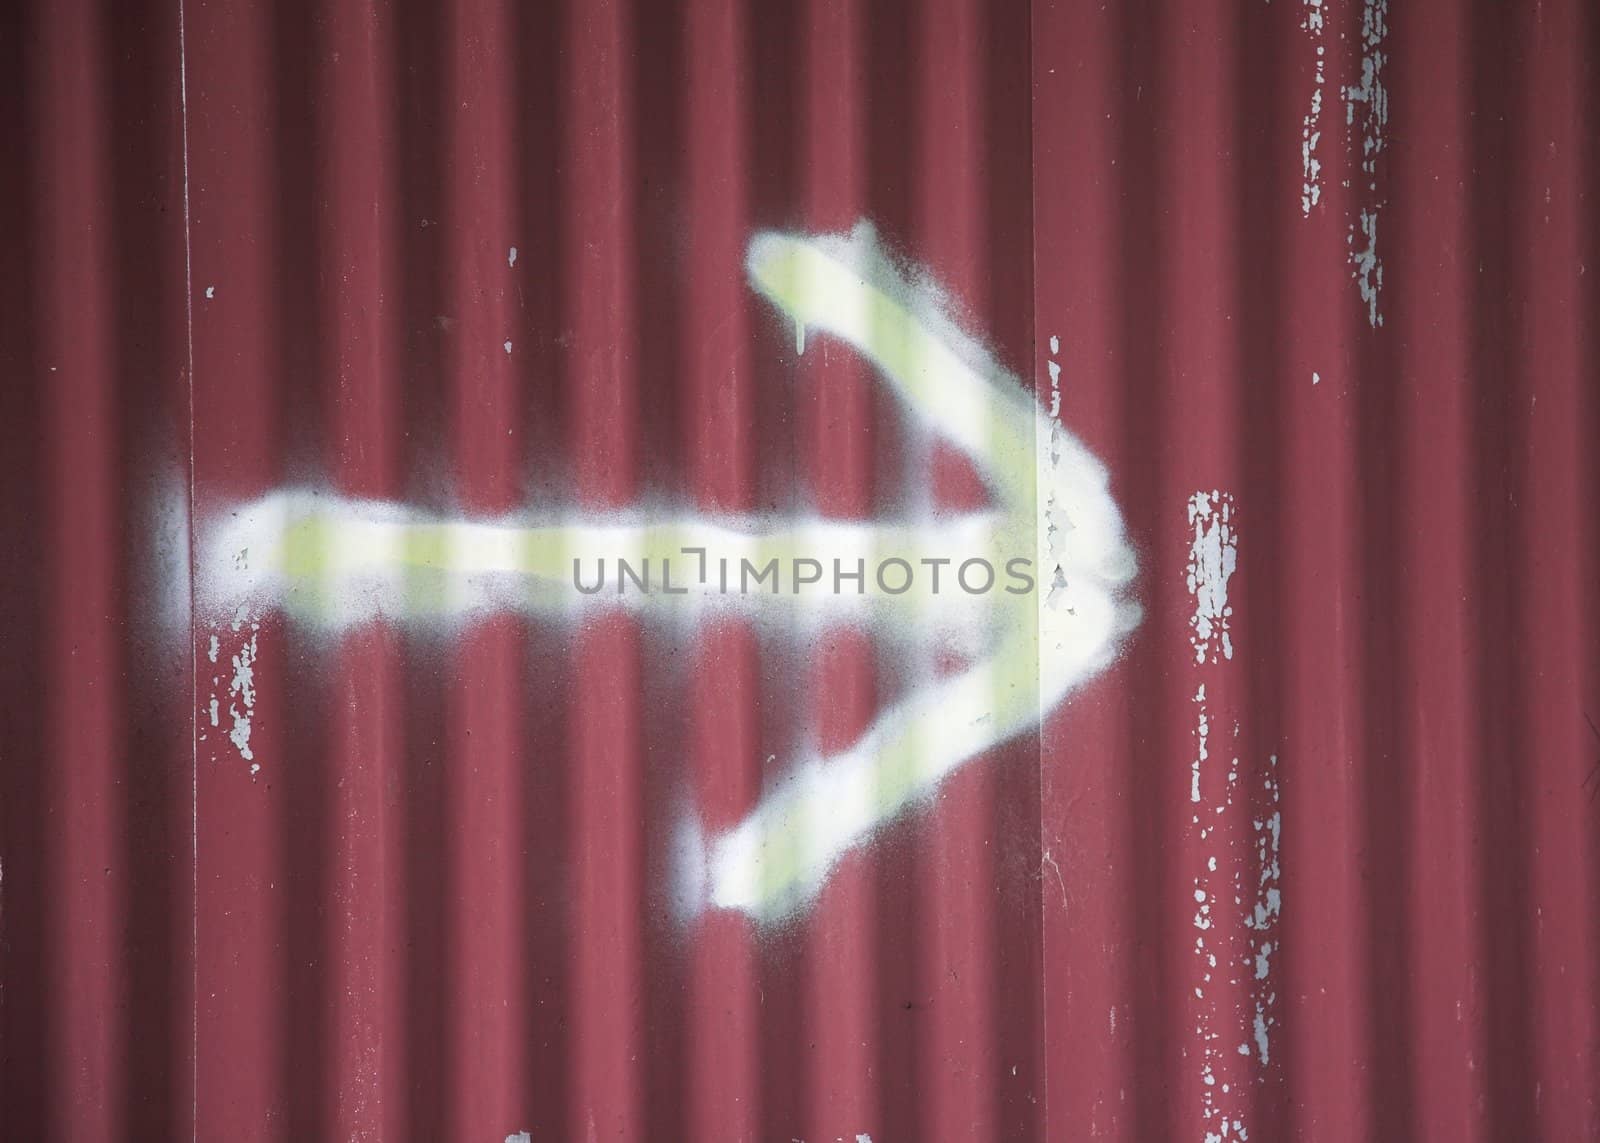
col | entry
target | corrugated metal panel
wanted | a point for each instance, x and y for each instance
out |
(429, 852)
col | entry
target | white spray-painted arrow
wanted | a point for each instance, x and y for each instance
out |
(334, 562)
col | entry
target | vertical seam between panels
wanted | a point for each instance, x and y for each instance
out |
(194, 745)
(1043, 1065)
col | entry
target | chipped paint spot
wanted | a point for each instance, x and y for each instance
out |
(508, 347)
(1213, 555)
(511, 256)
(211, 292)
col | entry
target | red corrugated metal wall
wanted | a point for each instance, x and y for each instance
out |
(1318, 854)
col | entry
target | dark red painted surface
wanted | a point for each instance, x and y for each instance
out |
(264, 244)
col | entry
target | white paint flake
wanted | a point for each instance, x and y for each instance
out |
(213, 648)
(1213, 555)
(1367, 112)
(1316, 378)
(508, 347)
(511, 260)
(211, 292)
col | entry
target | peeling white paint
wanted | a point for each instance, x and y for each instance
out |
(1311, 125)
(1054, 367)
(520, 1136)
(1262, 965)
(1213, 556)
(508, 347)
(243, 688)
(242, 631)
(1367, 115)
(1266, 908)
(511, 256)
(1367, 268)
(1234, 921)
